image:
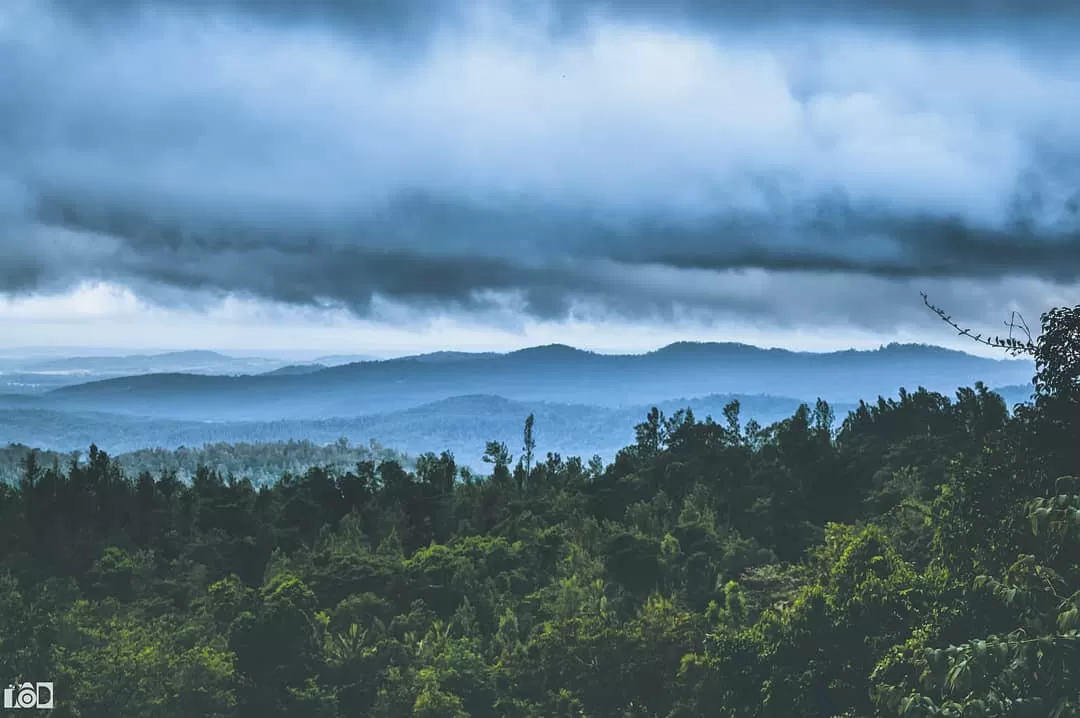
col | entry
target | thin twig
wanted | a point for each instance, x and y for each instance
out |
(1011, 345)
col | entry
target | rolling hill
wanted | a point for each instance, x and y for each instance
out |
(461, 424)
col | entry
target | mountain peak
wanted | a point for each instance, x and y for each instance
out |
(551, 351)
(700, 348)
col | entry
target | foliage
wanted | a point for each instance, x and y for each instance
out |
(919, 559)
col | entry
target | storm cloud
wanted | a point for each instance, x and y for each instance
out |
(623, 156)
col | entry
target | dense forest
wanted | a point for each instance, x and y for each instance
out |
(258, 462)
(917, 558)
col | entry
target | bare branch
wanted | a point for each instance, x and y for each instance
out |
(1012, 325)
(1010, 344)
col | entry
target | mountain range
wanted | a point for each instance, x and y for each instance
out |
(554, 373)
(585, 403)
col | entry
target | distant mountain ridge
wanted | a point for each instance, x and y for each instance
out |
(296, 370)
(192, 361)
(193, 356)
(555, 373)
(34, 374)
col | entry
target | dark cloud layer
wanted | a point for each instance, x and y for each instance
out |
(417, 17)
(222, 146)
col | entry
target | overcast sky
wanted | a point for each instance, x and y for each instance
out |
(389, 176)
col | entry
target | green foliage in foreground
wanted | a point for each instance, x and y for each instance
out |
(920, 560)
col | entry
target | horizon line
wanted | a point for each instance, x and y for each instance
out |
(313, 355)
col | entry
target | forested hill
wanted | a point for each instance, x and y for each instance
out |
(917, 559)
(552, 373)
(462, 425)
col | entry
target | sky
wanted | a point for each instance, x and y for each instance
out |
(384, 177)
